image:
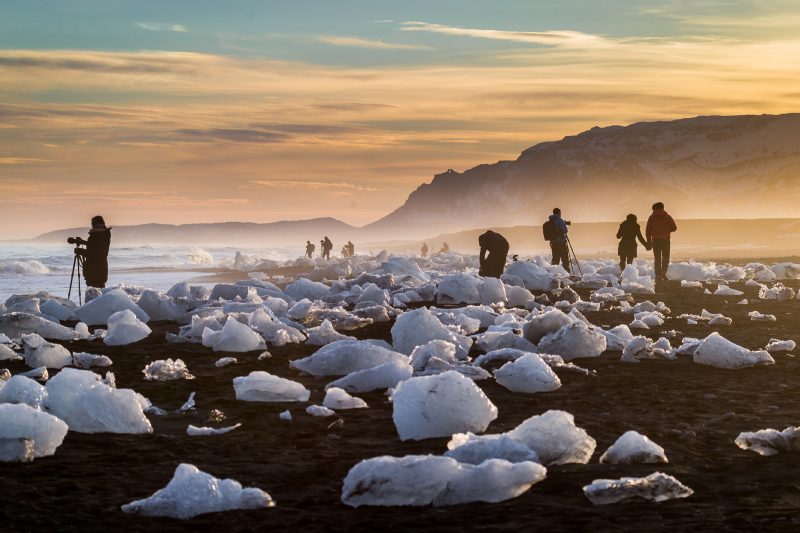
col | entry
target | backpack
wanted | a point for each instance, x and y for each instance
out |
(549, 230)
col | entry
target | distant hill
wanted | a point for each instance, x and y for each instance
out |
(287, 233)
(703, 167)
(701, 239)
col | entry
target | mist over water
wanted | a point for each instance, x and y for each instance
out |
(32, 268)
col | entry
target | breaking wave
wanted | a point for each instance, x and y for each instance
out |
(23, 268)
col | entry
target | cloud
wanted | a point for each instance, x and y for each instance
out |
(234, 135)
(20, 160)
(549, 38)
(314, 185)
(358, 42)
(162, 27)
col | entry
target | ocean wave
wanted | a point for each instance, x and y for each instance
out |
(23, 268)
(198, 256)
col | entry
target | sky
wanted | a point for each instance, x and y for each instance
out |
(180, 111)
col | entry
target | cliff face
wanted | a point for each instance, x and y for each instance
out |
(703, 167)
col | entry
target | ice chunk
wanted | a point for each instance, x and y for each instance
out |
(318, 410)
(777, 292)
(385, 376)
(770, 441)
(39, 352)
(343, 357)
(88, 405)
(8, 354)
(57, 310)
(15, 325)
(305, 288)
(633, 447)
(495, 340)
(125, 328)
(444, 350)
(194, 431)
(336, 398)
(716, 350)
(23, 422)
(300, 310)
(98, 311)
(503, 354)
(724, 290)
(429, 479)
(642, 348)
(528, 374)
(285, 415)
(761, 317)
(691, 284)
(20, 389)
(159, 306)
(617, 338)
(188, 405)
(574, 341)
(374, 294)
(776, 345)
(238, 337)
(225, 361)
(89, 360)
(401, 267)
(166, 370)
(458, 289)
(325, 334)
(260, 386)
(657, 487)
(418, 327)
(440, 405)
(544, 324)
(471, 449)
(533, 277)
(191, 492)
(555, 438)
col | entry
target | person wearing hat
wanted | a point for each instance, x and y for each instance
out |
(628, 232)
(95, 258)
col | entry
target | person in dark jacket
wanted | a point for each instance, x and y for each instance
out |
(310, 249)
(497, 246)
(95, 258)
(327, 246)
(558, 244)
(351, 249)
(628, 232)
(659, 227)
(424, 249)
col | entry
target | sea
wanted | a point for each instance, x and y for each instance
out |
(30, 268)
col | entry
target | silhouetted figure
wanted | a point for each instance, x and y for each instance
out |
(424, 249)
(310, 249)
(351, 249)
(327, 246)
(344, 252)
(558, 240)
(95, 257)
(497, 246)
(659, 227)
(445, 248)
(628, 232)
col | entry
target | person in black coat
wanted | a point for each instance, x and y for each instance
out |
(628, 232)
(497, 246)
(95, 258)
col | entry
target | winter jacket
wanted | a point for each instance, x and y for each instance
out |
(95, 266)
(628, 232)
(659, 225)
(561, 230)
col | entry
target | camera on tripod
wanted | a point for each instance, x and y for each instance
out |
(77, 262)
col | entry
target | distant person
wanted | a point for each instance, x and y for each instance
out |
(628, 232)
(345, 252)
(327, 246)
(95, 257)
(424, 249)
(497, 246)
(445, 248)
(351, 249)
(310, 249)
(659, 227)
(557, 235)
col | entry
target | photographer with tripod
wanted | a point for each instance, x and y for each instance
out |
(92, 256)
(555, 231)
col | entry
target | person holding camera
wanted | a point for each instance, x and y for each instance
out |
(95, 255)
(558, 240)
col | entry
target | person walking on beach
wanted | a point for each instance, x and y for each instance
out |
(659, 227)
(424, 249)
(628, 232)
(497, 246)
(310, 249)
(327, 246)
(558, 240)
(351, 249)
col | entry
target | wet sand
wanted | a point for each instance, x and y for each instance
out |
(693, 411)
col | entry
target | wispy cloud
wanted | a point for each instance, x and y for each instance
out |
(162, 27)
(20, 160)
(549, 38)
(358, 42)
(314, 185)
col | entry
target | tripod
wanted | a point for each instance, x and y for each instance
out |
(77, 264)
(574, 257)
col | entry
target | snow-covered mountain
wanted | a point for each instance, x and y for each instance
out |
(705, 167)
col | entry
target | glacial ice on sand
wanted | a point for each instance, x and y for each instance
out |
(656, 487)
(437, 480)
(527, 374)
(770, 441)
(346, 356)
(15, 325)
(325, 334)
(238, 337)
(633, 447)
(544, 324)
(414, 328)
(555, 438)
(39, 352)
(22, 422)
(260, 386)
(89, 360)
(320, 411)
(574, 341)
(716, 350)
(20, 389)
(166, 370)
(97, 312)
(336, 398)
(458, 289)
(192, 492)
(125, 328)
(438, 406)
(472, 449)
(194, 431)
(385, 376)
